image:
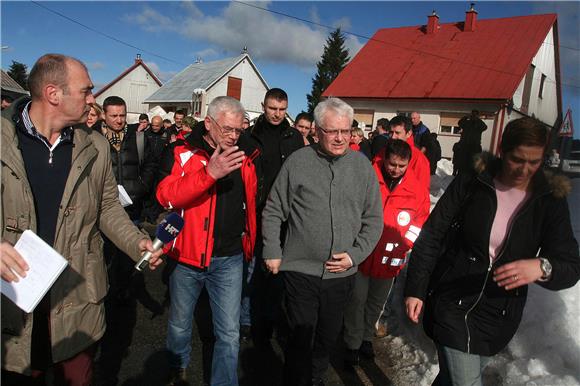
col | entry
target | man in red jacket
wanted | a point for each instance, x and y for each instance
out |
(400, 127)
(214, 185)
(405, 209)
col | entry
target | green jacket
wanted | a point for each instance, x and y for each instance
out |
(89, 204)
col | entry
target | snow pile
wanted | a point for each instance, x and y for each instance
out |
(441, 179)
(544, 352)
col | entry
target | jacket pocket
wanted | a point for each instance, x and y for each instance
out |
(97, 283)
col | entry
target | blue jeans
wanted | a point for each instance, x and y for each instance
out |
(245, 316)
(223, 281)
(457, 368)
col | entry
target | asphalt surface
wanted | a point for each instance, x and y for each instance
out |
(133, 350)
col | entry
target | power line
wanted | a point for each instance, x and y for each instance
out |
(388, 43)
(291, 17)
(106, 35)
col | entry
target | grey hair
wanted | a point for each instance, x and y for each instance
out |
(336, 105)
(224, 104)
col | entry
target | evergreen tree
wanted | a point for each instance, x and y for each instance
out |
(334, 59)
(18, 72)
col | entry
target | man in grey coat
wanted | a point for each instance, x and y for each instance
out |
(329, 197)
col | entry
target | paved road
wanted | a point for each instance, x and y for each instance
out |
(133, 351)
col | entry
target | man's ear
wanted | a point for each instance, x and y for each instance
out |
(263, 107)
(52, 94)
(207, 122)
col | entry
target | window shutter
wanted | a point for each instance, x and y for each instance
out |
(234, 87)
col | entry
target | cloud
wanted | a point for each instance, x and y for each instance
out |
(344, 24)
(164, 76)
(268, 36)
(206, 54)
(150, 20)
(95, 66)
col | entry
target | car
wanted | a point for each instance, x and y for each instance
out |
(571, 163)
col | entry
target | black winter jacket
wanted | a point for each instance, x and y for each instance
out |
(464, 308)
(136, 179)
(290, 141)
(157, 141)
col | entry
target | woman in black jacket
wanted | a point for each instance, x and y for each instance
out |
(491, 234)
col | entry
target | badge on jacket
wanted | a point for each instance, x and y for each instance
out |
(404, 218)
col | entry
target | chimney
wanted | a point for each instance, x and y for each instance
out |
(138, 58)
(432, 23)
(470, 19)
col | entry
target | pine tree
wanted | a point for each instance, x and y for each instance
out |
(333, 60)
(18, 72)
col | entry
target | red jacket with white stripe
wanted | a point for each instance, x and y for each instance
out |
(405, 209)
(191, 191)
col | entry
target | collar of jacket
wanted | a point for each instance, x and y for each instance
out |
(83, 152)
(13, 158)
(328, 157)
(262, 123)
(487, 166)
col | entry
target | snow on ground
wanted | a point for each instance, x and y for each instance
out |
(544, 352)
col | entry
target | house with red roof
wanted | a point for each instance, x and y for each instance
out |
(505, 68)
(133, 85)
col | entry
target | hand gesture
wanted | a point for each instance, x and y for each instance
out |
(224, 162)
(339, 263)
(12, 265)
(518, 273)
(155, 260)
(413, 307)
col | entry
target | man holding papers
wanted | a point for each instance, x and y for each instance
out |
(57, 182)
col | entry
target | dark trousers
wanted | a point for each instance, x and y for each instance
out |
(265, 304)
(315, 310)
(76, 371)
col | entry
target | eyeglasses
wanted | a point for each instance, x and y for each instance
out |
(227, 130)
(335, 132)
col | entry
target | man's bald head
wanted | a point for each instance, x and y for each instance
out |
(415, 118)
(51, 69)
(156, 123)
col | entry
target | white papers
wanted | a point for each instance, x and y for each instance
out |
(124, 196)
(45, 266)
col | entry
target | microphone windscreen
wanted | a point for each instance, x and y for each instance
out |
(169, 228)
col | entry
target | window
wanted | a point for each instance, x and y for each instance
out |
(527, 89)
(234, 87)
(449, 123)
(541, 92)
(197, 106)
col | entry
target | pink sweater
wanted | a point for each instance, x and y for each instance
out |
(509, 202)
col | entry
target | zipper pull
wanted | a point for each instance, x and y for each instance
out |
(50, 158)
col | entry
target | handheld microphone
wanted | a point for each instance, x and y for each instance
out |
(166, 232)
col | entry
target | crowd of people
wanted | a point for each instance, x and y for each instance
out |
(294, 231)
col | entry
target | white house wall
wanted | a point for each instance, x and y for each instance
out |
(430, 116)
(545, 108)
(253, 89)
(133, 88)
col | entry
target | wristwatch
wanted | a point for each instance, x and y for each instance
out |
(546, 268)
